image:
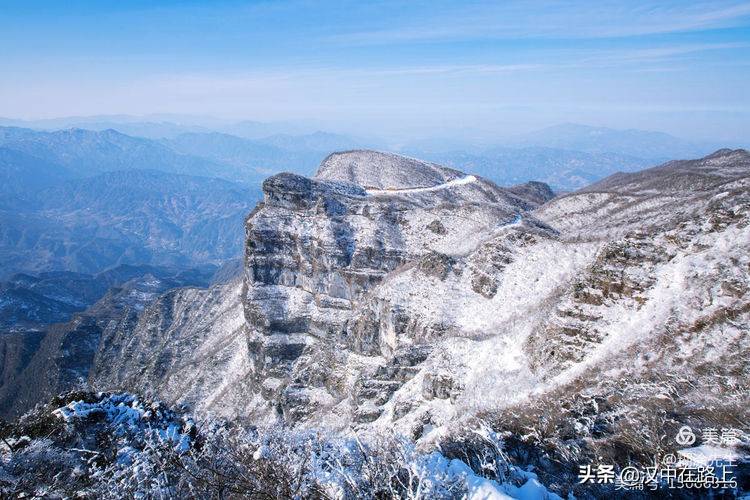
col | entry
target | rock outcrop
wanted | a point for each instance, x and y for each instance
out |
(326, 258)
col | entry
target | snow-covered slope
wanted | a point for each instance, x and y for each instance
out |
(188, 347)
(391, 171)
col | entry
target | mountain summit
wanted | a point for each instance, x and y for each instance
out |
(376, 170)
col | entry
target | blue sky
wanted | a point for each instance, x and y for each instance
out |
(476, 69)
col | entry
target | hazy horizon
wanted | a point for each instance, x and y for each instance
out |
(437, 69)
(460, 139)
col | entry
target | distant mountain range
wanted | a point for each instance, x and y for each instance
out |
(124, 217)
(82, 200)
(562, 169)
(637, 143)
(85, 200)
(567, 156)
(299, 154)
(163, 126)
(22, 174)
(83, 153)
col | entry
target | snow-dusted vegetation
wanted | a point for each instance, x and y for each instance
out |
(116, 445)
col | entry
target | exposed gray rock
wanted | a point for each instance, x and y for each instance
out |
(316, 248)
(484, 285)
(436, 264)
(535, 192)
(439, 385)
(437, 227)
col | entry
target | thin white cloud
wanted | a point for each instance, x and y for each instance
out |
(574, 20)
(657, 54)
(451, 69)
(281, 78)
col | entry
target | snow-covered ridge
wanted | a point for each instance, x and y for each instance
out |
(446, 185)
(385, 171)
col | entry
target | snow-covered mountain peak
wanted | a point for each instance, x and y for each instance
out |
(374, 302)
(385, 171)
(728, 154)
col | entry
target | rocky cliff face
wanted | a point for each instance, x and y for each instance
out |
(597, 321)
(409, 306)
(409, 299)
(327, 258)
